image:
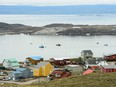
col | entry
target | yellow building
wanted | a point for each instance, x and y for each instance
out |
(43, 69)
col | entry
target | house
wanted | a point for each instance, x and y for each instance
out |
(27, 73)
(108, 68)
(43, 69)
(57, 61)
(95, 63)
(101, 62)
(56, 74)
(90, 64)
(33, 60)
(60, 61)
(110, 57)
(20, 73)
(74, 68)
(10, 63)
(14, 75)
(86, 55)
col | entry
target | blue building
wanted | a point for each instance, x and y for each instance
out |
(20, 73)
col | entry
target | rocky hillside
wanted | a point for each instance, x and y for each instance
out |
(69, 29)
(90, 30)
(58, 29)
(6, 28)
(54, 29)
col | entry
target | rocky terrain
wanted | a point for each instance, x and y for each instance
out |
(58, 29)
(6, 28)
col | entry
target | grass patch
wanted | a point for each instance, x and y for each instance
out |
(92, 80)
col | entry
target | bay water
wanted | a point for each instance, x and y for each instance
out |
(41, 20)
(23, 46)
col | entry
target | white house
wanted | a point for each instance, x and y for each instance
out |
(10, 63)
(95, 63)
(74, 68)
(101, 62)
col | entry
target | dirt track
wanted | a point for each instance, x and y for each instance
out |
(20, 83)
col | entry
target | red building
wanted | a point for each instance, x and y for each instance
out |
(67, 61)
(56, 74)
(60, 61)
(108, 68)
(110, 57)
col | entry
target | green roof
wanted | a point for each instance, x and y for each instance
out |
(13, 61)
(15, 64)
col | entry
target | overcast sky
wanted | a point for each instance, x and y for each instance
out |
(55, 2)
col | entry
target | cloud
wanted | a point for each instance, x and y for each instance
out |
(55, 2)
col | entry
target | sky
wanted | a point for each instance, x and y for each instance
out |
(55, 2)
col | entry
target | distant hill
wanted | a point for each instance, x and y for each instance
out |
(70, 29)
(66, 10)
(58, 29)
(6, 28)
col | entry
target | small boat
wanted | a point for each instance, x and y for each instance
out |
(58, 44)
(41, 46)
(88, 34)
(105, 44)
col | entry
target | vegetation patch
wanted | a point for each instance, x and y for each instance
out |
(92, 80)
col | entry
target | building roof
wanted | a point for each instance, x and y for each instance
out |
(100, 59)
(73, 65)
(87, 72)
(36, 57)
(15, 64)
(15, 72)
(109, 66)
(21, 69)
(110, 55)
(41, 64)
(58, 58)
(92, 62)
(13, 61)
(59, 72)
(61, 58)
(87, 52)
